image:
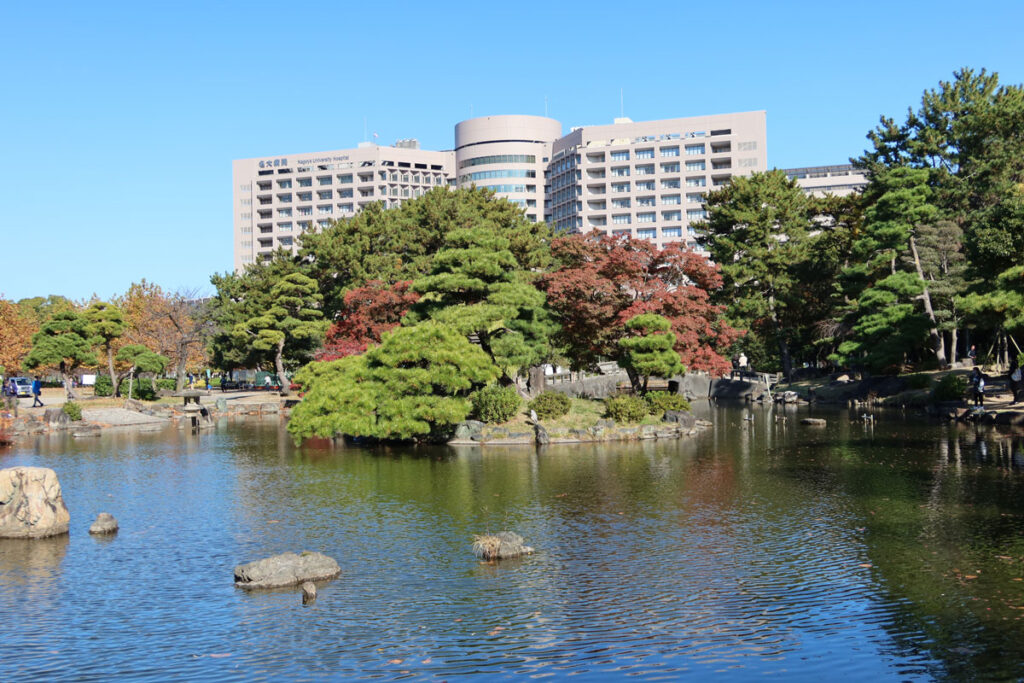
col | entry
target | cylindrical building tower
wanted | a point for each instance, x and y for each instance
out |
(508, 154)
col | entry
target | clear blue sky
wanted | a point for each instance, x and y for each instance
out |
(119, 121)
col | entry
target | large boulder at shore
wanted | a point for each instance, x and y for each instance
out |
(55, 416)
(683, 418)
(287, 569)
(31, 504)
(469, 429)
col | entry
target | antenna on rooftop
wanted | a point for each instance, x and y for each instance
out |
(364, 129)
(622, 106)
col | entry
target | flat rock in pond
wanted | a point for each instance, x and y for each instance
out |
(104, 524)
(287, 569)
(813, 421)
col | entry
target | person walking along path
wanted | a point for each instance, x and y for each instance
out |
(37, 388)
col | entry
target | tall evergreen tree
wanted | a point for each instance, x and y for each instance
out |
(477, 287)
(293, 312)
(757, 231)
(888, 319)
(105, 322)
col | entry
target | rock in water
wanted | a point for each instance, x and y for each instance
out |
(308, 592)
(104, 524)
(541, 435)
(287, 569)
(813, 421)
(500, 546)
(31, 504)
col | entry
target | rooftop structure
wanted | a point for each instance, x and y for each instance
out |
(839, 180)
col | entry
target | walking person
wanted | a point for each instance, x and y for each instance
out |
(37, 389)
(978, 383)
(1016, 380)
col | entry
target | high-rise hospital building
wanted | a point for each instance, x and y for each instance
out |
(646, 179)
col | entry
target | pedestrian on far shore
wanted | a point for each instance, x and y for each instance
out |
(37, 389)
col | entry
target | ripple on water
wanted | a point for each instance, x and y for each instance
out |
(653, 560)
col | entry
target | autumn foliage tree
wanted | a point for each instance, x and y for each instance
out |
(366, 313)
(16, 330)
(602, 282)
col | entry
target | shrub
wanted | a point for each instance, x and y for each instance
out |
(142, 389)
(550, 405)
(103, 387)
(496, 403)
(660, 401)
(626, 408)
(950, 388)
(918, 381)
(167, 384)
(73, 410)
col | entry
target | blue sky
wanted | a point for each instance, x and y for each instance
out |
(120, 120)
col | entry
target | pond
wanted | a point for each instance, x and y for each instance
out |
(890, 549)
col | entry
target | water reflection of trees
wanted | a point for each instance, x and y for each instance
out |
(943, 523)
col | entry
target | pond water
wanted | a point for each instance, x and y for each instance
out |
(889, 550)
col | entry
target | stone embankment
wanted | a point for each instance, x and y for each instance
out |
(147, 416)
(675, 425)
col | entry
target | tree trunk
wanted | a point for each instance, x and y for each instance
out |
(787, 362)
(110, 367)
(938, 343)
(66, 379)
(634, 380)
(952, 345)
(182, 359)
(279, 364)
(536, 380)
(131, 378)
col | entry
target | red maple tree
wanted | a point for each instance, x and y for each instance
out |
(604, 281)
(366, 314)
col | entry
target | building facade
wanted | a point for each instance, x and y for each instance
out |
(839, 180)
(507, 154)
(645, 179)
(278, 198)
(649, 179)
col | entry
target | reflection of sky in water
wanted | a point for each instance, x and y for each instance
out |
(759, 547)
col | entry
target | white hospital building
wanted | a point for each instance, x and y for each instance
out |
(646, 179)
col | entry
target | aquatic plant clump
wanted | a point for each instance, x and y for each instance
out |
(500, 546)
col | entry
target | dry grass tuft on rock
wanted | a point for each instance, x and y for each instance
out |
(500, 546)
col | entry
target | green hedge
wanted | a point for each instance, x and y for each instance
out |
(73, 410)
(626, 408)
(495, 403)
(660, 401)
(550, 404)
(103, 386)
(950, 388)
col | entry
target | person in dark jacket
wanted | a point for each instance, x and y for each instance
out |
(37, 389)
